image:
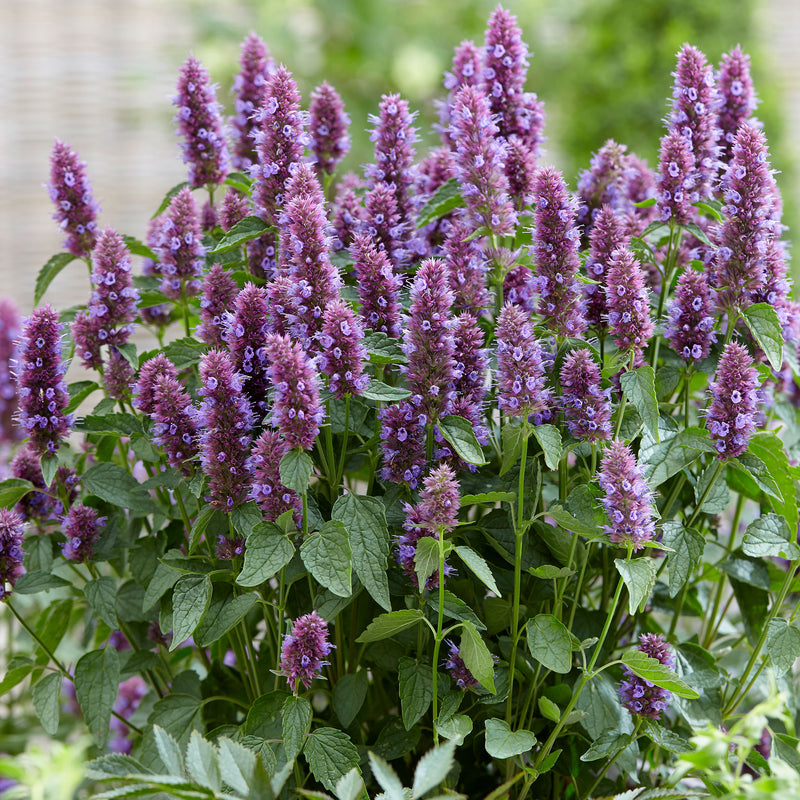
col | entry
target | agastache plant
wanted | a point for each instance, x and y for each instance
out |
(11, 539)
(738, 99)
(640, 696)
(378, 287)
(327, 128)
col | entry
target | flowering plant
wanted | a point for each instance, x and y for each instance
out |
(442, 455)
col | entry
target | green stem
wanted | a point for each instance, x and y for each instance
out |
(717, 469)
(281, 614)
(669, 263)
(438, 640)
(343, 454)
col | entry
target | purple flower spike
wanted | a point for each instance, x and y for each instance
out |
(378, 287)
(82, 527)
(627, 301)
(555, 245)
(731, 417)
(304, 649)
(676, 179)
(640, 696)
(200, 124)
(250, 87)
(327, 127)
(695, 102)
(587, 407)
(37, 505)
(466, 71)
(297, 411)
(342, 353)
(381, 222)
(118, 376)
(272, 496)
(428, 342)
(472, 360)
(628, 501)
(403, 441)
(608, 234)
(235, 207)
(455, 665)
(480, 162)
(521, 390)
(219, 292)
(521, 172)
(43, 395)
(690, 325)
(10, 550)
(175, 423)
(144, 392)
(10, 327)
(347, 213)
(71, 193)
(604, 183)
(129, 697)
(467, 268)
(738, 99)
(225, 421)
(519, 288)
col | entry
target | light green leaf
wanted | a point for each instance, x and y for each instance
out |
(769, 536)
(296, 715)
(389, 624)
(549, 709)
(456, 728)
(350, 786)
(767, 446)
(201, 523)
(651, 669)
(758, 471)
(164, 578)
(190, 599)
(513, 437)
(117, 486)
(327, 556)
(550, 441)
(268, 550)
(243, 231)
(12, 490)
(608, 744)
(96, 684)
(639, 386)
(330, 755)
(168, 751)
(432, 769)
(783, 645)
(665, 738)
(102, 596)
(48, 273)
(236, 765)
(201, 762)
(49, 464)
(415, 690)
(476, 656)
(639, 576)
(718, 497)
(45, 701)
(386, 777)
(295, 469)
(549, 643)
(686, 549)
(487, 497)
(502, 742)
(383, 393)
(762, 319)
(443, 201)
(460, 434)
(570, 523)
(426, 559)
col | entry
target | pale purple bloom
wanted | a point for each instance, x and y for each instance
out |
(175, 423)
(378, 287)
(586, 406)
(627, 301)
(608, 234)
(466, 71)
(467, 264)
(272, 496)
(235, 207)
(342, 353)
(604, 183)
(403, 442)
(521, 172)
(82, 526)
(144, 392)
(381, 222)
(347, 211)
(304, 650)
(690, 323)
(10, 550)
(738, 99)
(519, 288)
(676, 179)
(640, 696)
(327, 128)
(218, 295)
(118, 375)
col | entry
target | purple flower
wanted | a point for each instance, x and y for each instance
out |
(455, 665)
(208, 217)
(604, 183)
(261, 255)
(690, 324)
(436, 169)
(225, 421)
(43, 395)
(467, 268)
(608, 234)
(738, 99)
(731, 417)
(403, 441)
(628, 501)
(640, 696)
(627, 302)
(174, 423)
(10, 550)
(71, 193)
(466, 71)
(327, 128)
(235, 207)
(200, 124)
(347, 213)
(556, 242)
(218, 295)
(587, 407)
(519, 288)
(520, 171)
(378, 287)
(272, 496)
(342, 353)
(228, 549)
(521, 380)
(776, 287)
(279, 294)
(82, 526)
(304, 649)
(144, 392)
(381, 222)
(118, 376)
(129, 696)
(297, 411)
(472, 360)
(10, 327)
(250, 87)
(676, 179)
(35, 505)
(480, 161)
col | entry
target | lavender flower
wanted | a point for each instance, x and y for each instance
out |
(218, 295)
(71, 193)
(261, 252)
(628, 501)
(403, 441)
(279, 294)
(224, 422)
(10, 327)
(250, 87)
(347, 213)
(174, 423)
(467, 268)
(144, 392)
(378, 287)
(604, 183)
(480, 161)
(608, 235)
(521, 172)
(328, 125)
(228, 549)
(381, 222)
(519, 287)
(82, 526)
(731, 417)
(472, 360)
(556, 245)
(690, 324)
(640, 696)
(10, 550)
(118, 376)
(738, 99)
(235, 207)
(43, 395)
(297, 411)
(466, 71)
(342, 353)
(627, 301)
(208, 217)
(676, 179)
(455, 665)
(272, 496)
(521, 381)
(587, 407)
(129, 696)
(304, 649)
(200, 124)
(35, 505)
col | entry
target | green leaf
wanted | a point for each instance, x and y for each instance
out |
(350, 786)
(513, 437)
(476, 656)
(168, 751)
(415, 689)
(383, 349)
(12, 490)
(35, 582)
(201, 523)
(432, 769)
(386, 625)
(660, 461)
(608, 744)
(102, 596)
(502, 742)
(570, 523)
(549, 709)
(686, 549)
(549, 643)
(767, 446)
(549, 572)
(762, 319)
(190, 599)
(15, 675)
(96, 684)
(783, 645)
(296, 716)
(550, 441)
(699, 233)
(460, 434)
(443, 201)
(651, 669)
(178, 714)
(201, 762)
(117, 486)
(426, 559)
(455, 728)
(639, 386)
(709, 210)
(222, 614)
(268, 550)
(245, 518)
(48, 273)
(49, 464)
(236, 765)
(665, 738)
(138, 248)
(296, 468)
(387, 778)
(478, 566)
(455, 608)
(242, 232)
(639, 576)
(383, 393)
(330, 754)
(184, 353)
(365, 520)
(45, 701)
(349, 694)
(487, 497)
(769, 536)
(718, 497)
(164, 578)
(752, 466)
(168, 198)
(327, 556)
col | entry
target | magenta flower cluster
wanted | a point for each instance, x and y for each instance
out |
(378, 287)
(82, 527)
(327, 128)
(629, 320)
(304, 650)
(586, 406)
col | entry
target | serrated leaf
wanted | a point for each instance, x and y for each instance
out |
(267, 551)
(96, 684)
(242, 232)
(718, 497)
(296, 468)
(296, 716)
(168, 751)
(549, 643)
(383, 349)
(639, 386)
(416, 692)
(651, 669)
(460, 434)
(752, 466)
(608, 744)
(349, 694)
(769, 536)
(349, 786)
(102, 596)
(201, 762)
(236, 765)
(426, 559)
(783, 645)
(478, 566)
(767, 446)
(386, 777)
(455, 608)
(549, 572)
(190, 599)
(661, 460)
(762, 319)
(224, 611)
(476, 656)
(502, 742)
(12, 490)
(442, 201)
(245, 518)
(512, 437)
(550, 441)
(178, 714)
(327, 556)
(330, 755)
(48, 273)
(487, 497)
(45, 701)
(199, 527)
(138, 248)
(184, 353)
(382, 393)
(686, 549)
(639, 575)
(117, 486)
(386, 625)
(432, 769)
(668, 739)
(570, 523)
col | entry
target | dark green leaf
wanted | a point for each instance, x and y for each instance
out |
(639, 575)
(512, 437)
(222, 614)
(478, 566)
(502, 742)
(415, 689)
(12, 490)
(296, 468)
(767, 446)
(35, 582)
(550, 441)
(45, 701)
(570, 523)
(268, 550)
(762, 319)
(78, 392)
(138, 248)
(178, 714)
(386, 625)
(199, 527)
(769, 536)
(48, 273)
(443, 201)
(608, 744)
(296, 715)
(755, 472)
(164, 578)
(117, 486)
(699, 233)
(102, 596)
(349, 694)
(49, 465)
(717, 497)
(242, 232)
(184, 353)
(665, 738)
(549, 643)
(245, 518)
(455, 608)
(383, 349)
(476, 656)
(783, 645)
(684, 557)
(600, 701)
(460, 434)
(190, 599)
(487, 497)
(651, 669)
(426, 559)
(327, 556)
(96, 684)
(330, 754)
(382, 393)
(639, 386)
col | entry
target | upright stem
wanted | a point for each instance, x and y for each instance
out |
(438, 641)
